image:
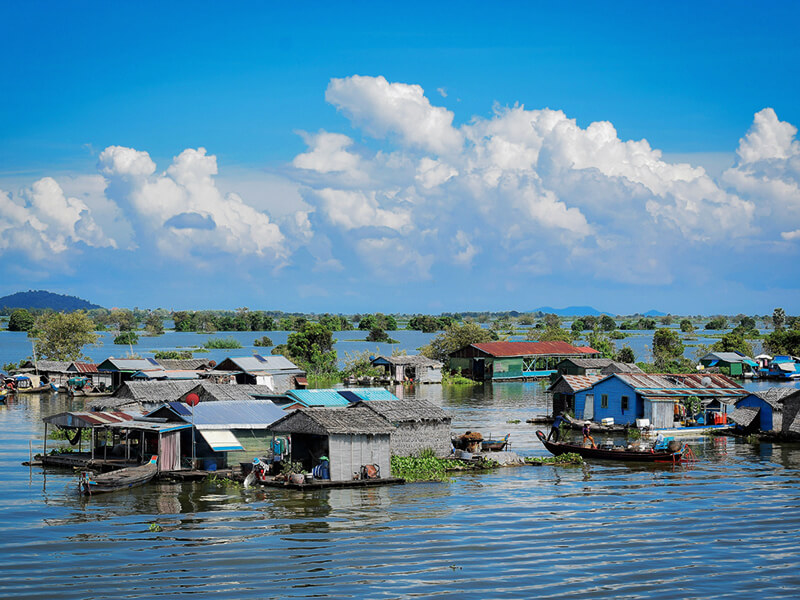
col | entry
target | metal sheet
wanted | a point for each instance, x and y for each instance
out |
(221, 440)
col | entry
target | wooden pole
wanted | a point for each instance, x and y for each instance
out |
(93, 443)
(44, 450)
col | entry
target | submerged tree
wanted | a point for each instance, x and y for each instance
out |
(667, 349)
(778, 318)
(20, 320)
(60, 336)
(454, 338)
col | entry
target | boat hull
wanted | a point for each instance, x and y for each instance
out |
(558, 448)
(115, 481)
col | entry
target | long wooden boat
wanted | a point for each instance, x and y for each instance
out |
(122, 479)
(495, 445)
(558, 448)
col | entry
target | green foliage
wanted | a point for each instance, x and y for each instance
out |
(11, 366)
(667, 348)
(420, 468)
(783, 342)
(429, 324)
(693, 405)
(154, 324)
(20, 320)
(666, 320)
(289, 467)
(617, 335)
(126, 337)
(455, 337)
(606, 323)
(627, 325)
(358, 364)
(732, 342)
(645, 323)
(60, 336)
(378, 321)
(778, 318)
(155, 527)
(551, 321)
(312, 347)
(210, 321)
(263, 341)
(549, 334)
(626, 355)
(226, 343)
(570, 458)
(686, 326)
(173, 354)
(717, 323)
(456, 378)
(335, 322)
(600, 342)
(379, 335)
(633, 433)
(577, 327)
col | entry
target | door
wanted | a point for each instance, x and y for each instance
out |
(588, 407)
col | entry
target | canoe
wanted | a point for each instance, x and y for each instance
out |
(495, 445)
(558, 448)
(122, 479)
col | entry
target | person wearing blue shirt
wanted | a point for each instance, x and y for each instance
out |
(554, 431)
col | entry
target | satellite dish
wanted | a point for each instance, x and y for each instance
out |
(706, 381)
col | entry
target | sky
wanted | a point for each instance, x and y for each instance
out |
(411, 157)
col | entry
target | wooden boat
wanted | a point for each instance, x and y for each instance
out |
(122, 479)
(494, 445)
(558, 448)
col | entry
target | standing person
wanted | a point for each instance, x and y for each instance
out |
(587, 434)
(554, 430)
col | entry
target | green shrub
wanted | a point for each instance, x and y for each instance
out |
(227, 343)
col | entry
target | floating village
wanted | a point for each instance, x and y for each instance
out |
(254, 419)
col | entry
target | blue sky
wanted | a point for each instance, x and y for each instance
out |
(425, 157)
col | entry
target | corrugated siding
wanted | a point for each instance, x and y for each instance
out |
(349, 452)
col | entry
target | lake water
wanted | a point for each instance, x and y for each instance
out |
(724, 527)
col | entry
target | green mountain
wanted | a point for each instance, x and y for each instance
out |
(41, 299)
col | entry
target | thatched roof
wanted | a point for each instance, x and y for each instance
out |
(183, 364)
(775, 396)
(405, 411)
(226, 392)
(327, 421)
(745, 415)
(139, 394)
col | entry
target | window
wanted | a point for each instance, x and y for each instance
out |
(624, 403)
(604, 401)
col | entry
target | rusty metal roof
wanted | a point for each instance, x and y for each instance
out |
(508, 349)
(581, 382)
(82, 367)
(88, 419)
(679, 385)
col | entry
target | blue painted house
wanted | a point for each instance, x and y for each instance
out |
(626, 397)
(772, 411)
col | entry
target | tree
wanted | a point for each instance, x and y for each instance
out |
(263, 341)
(20, 320)
(686, 326)
(61, 337)
(154, 324)
(379, 320)
(666, 320)
(717, 323)
(732, 342)
(577, 327)
(551, 320)
(455, 338)
(126, 337)
(667, 348)
(607, 323)
(313, 347)
(378, 335)
(783, 342)
(549, 334)
(599, 341)
(358, 364)
(626, 355)
(123, 319)
(778, 318)
(646, 323)
(425, 324)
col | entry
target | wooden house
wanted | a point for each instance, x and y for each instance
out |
(100, 380)
(593, 366)
(734, 363)
(499, 361)
(419, 425)
(54, 371)
(277, 372)
(626, 397)
(227, 433)
(415, 368)
(564, 389)
(774, 410)
(350, 437)
(142, 396)
(123, 369)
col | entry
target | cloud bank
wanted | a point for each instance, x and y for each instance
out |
(519, 194)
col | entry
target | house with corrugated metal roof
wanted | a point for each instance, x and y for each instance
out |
(123, 369)
(414, 368)
(626, 397)
(349, 437)
(499, 361)
(419, 425)
(733, 363)
(774, 410)
(565, 387)
(594, 366)
(228, 432)
(142, 396)
(91, 373)
(55, 371)
(333, 398)
(277, 372)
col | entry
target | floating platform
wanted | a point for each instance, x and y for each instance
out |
(326, 484)
(84, 460)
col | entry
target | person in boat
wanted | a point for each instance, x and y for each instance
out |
(554, 430)
(587, 434)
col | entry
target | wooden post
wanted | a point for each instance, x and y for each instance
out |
(93, 443)
(44, 450)
(105, 443)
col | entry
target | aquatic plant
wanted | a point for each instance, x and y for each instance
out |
(456, 378)
(417, 468)
(570, 458)
(263, 341)
(155, 527)
(228, 343)
(634, 433)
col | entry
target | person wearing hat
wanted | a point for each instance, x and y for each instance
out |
(323, 469)
(554, 430)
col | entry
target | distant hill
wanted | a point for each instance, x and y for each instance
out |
(655, 313)
(42, 299)
(571, 311)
